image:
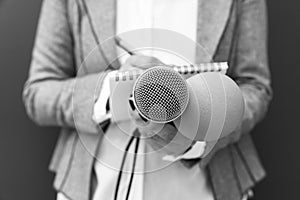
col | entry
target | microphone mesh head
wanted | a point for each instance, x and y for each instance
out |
(160, 94)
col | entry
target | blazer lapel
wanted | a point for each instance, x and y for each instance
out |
(103, 14)
(212, 19)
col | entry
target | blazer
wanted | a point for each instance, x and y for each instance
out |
(231, 30)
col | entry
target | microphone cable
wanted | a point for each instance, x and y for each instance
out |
(133, 165)
(136, 135)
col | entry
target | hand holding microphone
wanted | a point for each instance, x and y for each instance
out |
(204, 107)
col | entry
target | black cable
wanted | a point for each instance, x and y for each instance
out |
(135, 135)
(133, 166)
(122, 166)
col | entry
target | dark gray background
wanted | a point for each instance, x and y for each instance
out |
(25, 149)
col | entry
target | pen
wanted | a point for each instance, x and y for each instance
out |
(124, 45)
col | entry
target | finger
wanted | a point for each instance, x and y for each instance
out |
(126, 67)
(135, 116)
(138, 60)
(174, 139)
(142, 61)
(156, 142)
(171, 148)
(168, 132)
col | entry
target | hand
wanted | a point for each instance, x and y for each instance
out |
(165, 137)
(141, 62)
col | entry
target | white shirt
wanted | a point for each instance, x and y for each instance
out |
(171, 182)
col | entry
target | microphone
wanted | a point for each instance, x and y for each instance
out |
(204, 107)
(215, 107)
(160, 94)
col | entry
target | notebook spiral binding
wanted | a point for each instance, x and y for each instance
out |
(201, 68)
(186, 69)
(128, 75)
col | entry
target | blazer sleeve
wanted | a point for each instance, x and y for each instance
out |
(48, 93)
(249, 68)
